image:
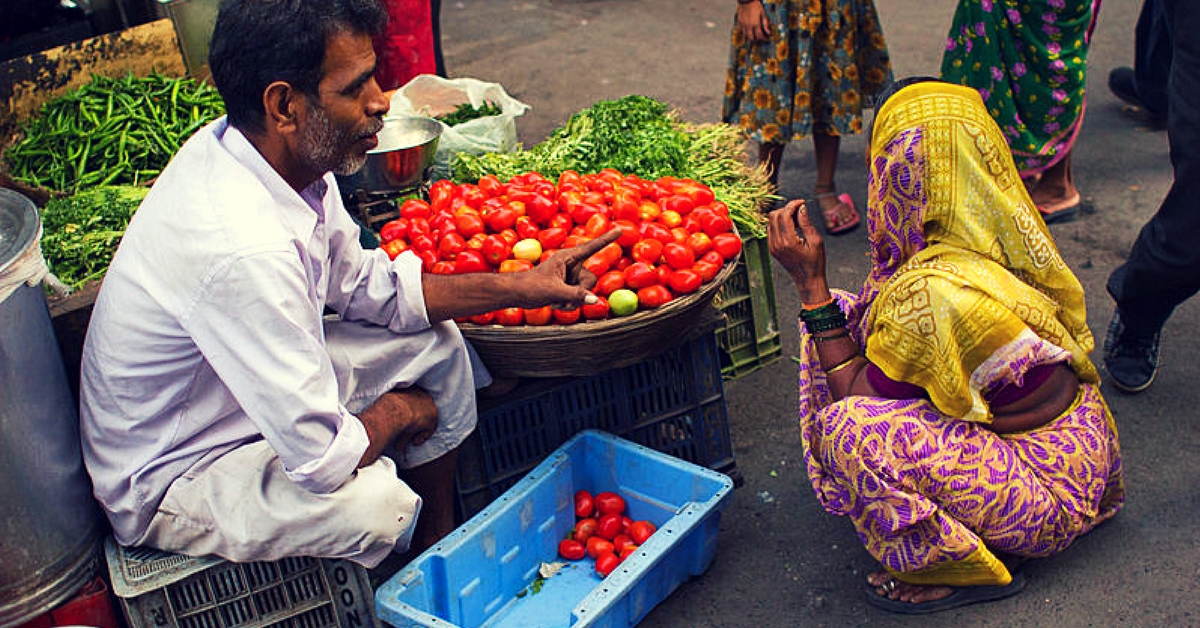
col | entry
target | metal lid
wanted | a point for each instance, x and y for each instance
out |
(19, 222)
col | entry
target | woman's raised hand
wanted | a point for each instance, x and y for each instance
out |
(797, 245)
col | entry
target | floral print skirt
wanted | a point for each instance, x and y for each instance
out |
(823, 64)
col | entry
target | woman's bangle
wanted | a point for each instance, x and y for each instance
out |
(841, 365)
(824, 317)
(827, 323)
(821, 311)
(816, 306)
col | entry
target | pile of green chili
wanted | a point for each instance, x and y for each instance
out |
(111, 131)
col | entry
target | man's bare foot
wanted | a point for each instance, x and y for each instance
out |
(889, 587)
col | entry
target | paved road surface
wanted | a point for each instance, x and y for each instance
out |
(781, 560)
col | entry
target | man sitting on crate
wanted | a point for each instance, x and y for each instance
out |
(222, 412)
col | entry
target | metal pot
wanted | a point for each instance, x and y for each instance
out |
(50, 526)
(401, 162)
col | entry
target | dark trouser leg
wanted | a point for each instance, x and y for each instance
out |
(1152, 56)
(1163, 269)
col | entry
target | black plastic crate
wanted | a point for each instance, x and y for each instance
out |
(165, 590)
(673, 402)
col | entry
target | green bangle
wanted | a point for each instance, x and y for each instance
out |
(828, 323)
(825, 311)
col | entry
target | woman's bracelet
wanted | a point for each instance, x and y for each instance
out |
(829, 323)
(816, 306)
(841, 365)
(824, 310)
(824, 317)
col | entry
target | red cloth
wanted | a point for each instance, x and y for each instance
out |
(405, 48)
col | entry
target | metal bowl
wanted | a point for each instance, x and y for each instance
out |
(403, 159)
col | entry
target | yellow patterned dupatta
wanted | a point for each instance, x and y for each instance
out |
(963, 263)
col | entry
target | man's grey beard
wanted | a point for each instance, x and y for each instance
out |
(321, 144)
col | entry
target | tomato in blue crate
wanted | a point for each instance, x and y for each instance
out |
(609, 525)
(606, 563)
(571, 549)
(608, 502)
(639, 531)
(584, 529)
(597, 545)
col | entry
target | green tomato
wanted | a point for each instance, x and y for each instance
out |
(623, 302)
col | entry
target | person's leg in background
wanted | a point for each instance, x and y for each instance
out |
(435, 17)
(838, 210)
(1055, 190)
(1145, 84)
(1163, 269)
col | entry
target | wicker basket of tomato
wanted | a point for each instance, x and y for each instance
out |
(656, 282)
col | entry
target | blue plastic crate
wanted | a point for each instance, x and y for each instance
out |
(481, 574)
(673, 402)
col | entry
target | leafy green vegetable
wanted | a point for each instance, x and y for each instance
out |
(638, 135)
(81, 232)
(466, 112)
(111, 131)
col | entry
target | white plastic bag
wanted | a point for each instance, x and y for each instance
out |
(432, 96)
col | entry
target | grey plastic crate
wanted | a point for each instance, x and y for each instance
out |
(163, 590)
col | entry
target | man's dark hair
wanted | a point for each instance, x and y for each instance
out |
(258, 42)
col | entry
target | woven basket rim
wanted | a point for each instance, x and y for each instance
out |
(530, 333)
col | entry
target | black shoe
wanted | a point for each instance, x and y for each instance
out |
(1131, 358)
(1121, 84)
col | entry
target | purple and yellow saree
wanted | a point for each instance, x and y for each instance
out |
(968, 292)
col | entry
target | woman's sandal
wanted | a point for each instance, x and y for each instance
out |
(835, 223)
(1062, 211)
(962, 596)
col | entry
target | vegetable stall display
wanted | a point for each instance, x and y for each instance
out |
(467, 112)
(675, 236)
(96, 148)
(80, 232)
(110, 131)
(638, 135)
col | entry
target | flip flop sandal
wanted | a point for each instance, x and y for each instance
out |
(1062, 214)
(962, 596)
(832, 217)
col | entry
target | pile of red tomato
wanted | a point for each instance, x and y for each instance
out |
(603, 532)
(675, 235)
